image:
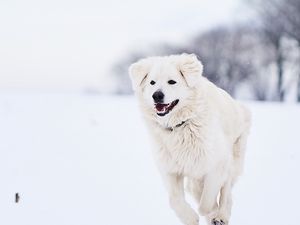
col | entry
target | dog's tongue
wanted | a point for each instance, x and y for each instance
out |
(161, 107)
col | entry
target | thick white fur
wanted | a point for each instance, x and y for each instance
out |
(208, 149)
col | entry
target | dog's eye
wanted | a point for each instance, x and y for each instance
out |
(172, 82)
(152, 82)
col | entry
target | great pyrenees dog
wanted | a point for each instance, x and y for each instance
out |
(199, 134)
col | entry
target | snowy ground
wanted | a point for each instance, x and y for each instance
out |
(85, 160)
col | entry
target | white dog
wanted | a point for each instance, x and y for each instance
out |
(199, 133)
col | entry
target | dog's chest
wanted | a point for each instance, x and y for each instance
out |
(184, 151)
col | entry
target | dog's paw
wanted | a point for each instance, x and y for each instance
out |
(217, 222)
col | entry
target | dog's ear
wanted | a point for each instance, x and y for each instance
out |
(190, 68)
(138, 72)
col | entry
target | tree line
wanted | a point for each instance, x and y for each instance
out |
(258, 59)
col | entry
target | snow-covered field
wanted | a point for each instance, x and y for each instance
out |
(85, 160)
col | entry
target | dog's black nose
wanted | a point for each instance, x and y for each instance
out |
(158, 97)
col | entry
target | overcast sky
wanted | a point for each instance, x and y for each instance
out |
(70, 45)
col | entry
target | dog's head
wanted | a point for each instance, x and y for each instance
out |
(164, 83)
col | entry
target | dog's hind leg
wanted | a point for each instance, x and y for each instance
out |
(212, 185)
(223, 213)
(225, 204)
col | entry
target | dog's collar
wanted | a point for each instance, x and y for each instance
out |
(176, 126)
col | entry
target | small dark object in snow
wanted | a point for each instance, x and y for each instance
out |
(17, 197)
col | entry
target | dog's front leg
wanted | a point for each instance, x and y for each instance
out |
(177, 200)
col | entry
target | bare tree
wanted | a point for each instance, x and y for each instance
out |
(225, 53)
(280, 18)
(290, 12)
(273, 29)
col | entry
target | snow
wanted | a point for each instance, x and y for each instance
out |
(81, 159)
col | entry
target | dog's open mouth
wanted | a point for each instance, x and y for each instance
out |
(163, 109)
